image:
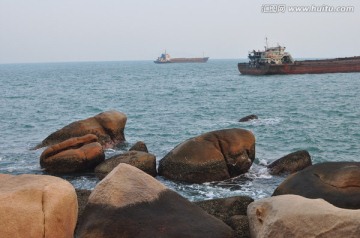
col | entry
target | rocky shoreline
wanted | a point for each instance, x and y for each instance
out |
(321, 200)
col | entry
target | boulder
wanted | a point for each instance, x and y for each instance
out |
(213, 156)
(107, 126)
(296, 216)
(224, 208)
(336, 182)
(82, 197)
(141, 160)
(231, 210)
(290, 163)
(37, 206)
(73, 155)
(131, 203)
(139, 146)
(240, 224)
(248, 118)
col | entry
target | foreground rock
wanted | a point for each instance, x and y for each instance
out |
(73, 155)
(37, 206)
(336, 182)
(230, 210)
(107, 126)
(224, 208)
(290, 163)
(131, 203)
(248, 118)
(240, 224)
(141, 160)
(83, 197)
(212, 156)
(296, 216)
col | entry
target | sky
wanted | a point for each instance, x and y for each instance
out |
(116, 30)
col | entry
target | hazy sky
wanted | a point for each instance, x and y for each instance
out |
(110, 30)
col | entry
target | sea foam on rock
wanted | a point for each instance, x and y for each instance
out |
(213, 156)
(131, 203)
(336, 182)
(107, 126)
(296, 216)
(37, 206)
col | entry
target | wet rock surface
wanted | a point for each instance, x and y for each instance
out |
(290, 163)
(213, 156)
(248, 118)
(107, 126)
(141, 160)
(336, 182)
(131, 203)
(77, 154)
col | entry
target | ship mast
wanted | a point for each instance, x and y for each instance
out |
(266, 43)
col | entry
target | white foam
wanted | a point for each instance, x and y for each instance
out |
(258, 172)
(263, 162)
(266, 121)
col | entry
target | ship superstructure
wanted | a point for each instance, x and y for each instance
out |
(164, 58)
(271, 55)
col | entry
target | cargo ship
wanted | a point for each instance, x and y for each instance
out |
(274, 60)
(165, 58)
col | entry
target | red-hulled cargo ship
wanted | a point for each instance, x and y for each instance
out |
(165, 58)
(274, 60)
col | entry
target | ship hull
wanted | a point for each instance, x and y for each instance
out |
(183, 60)
(338, 65)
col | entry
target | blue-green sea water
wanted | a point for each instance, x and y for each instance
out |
(167, 104)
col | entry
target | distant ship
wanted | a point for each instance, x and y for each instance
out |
(165, 58)
(274, 60)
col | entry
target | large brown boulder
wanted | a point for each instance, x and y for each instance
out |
(213, 156)
(73, 155)
(131, 203)
(107, 126)
(290, 163)
(296, 216)
(336, 182)
(37, 206)
(141, 160)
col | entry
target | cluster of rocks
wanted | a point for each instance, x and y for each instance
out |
(130, 203)
(321, 200)
(212, 156)
(80, 145)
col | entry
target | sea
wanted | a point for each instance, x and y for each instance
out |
(170, 103)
